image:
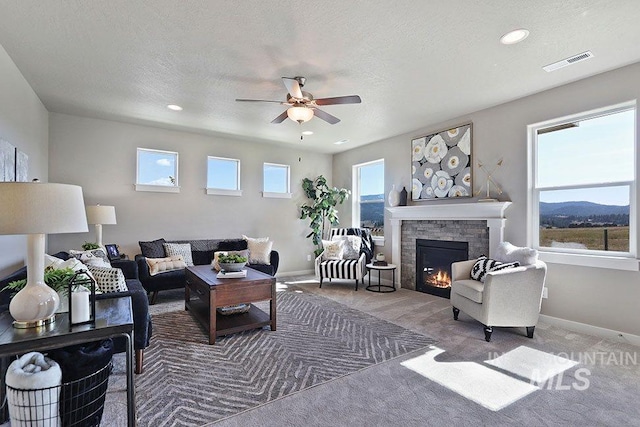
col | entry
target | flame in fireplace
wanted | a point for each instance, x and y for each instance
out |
(439, 279)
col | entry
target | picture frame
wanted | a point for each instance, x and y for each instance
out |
(112, 252)
(442, 165)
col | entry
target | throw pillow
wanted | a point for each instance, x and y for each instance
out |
(179, 249)
(216, 256)
(232, 245)
(332, 249)
(93, 257)
(486, 265)
(506, 252)
(72, 263)
(161, 265)
(109, 279)
(153, 249)
(351, 246)
(259, 250)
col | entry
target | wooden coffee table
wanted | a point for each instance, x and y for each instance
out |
(211, 293)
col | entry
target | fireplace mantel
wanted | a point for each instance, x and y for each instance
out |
(492, 212)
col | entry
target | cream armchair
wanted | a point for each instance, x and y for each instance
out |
(510, 297)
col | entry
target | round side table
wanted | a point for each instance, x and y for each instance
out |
(379, 287)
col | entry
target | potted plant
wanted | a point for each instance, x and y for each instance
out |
(322, 209)
(232, 262)
(87, 246)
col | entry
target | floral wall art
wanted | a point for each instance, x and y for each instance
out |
(441, 164)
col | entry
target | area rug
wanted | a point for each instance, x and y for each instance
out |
(189, 382)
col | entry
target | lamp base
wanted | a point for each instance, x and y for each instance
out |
(34, 323)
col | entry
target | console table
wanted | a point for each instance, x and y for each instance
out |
(114, 318)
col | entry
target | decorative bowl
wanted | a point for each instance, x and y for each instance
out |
(232, 266)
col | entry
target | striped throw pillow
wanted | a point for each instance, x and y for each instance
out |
(485, 265)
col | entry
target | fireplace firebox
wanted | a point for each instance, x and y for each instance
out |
(433, 264)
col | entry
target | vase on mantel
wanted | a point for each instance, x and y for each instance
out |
(403, 196)
(394, 196)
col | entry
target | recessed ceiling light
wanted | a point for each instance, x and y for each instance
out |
(515, 36)
(342, 141)
(307, 132)
(174, 107)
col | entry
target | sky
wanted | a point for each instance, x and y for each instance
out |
(598, 151)
(372, 179)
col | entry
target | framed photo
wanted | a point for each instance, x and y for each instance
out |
(441, 165)
(112, 252)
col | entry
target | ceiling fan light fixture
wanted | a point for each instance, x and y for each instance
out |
(300, 114)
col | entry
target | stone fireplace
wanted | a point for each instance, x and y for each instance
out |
(480, 225)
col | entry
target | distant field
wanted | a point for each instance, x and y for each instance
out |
(592, 238)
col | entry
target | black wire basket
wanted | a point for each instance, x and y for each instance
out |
(78, 403)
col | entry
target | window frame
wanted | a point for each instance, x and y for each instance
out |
(156, 187)
(272, 194)
(589, 257)
(224, 191)
(355, 200)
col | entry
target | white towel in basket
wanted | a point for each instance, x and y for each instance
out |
(39, 407)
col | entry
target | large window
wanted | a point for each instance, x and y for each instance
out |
(223, 176)
(276, 180)
(368, 197)
(157, 170)
(583, 193)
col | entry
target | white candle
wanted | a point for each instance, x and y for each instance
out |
(80, 307)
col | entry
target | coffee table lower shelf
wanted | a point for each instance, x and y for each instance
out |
(229, 324)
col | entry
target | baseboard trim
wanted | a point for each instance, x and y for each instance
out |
(295, 273)
(597, 331)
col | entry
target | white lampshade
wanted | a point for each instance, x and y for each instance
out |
(36, 209)
(300, 114)
(99, 214)
(41, 208)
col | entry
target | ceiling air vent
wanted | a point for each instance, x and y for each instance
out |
(568, 61)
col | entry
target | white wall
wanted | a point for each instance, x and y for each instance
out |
(24, 123)
(600, 297)
(100, 156)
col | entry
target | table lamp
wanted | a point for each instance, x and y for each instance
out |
(36, 209)
(100, 215)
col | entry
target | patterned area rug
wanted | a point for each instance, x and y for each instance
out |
(189, 382)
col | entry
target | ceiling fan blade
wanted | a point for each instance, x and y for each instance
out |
(293, 87)
(325, 116)
(351, 99)
(261, 100)
(281, 118)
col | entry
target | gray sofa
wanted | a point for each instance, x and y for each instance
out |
(202, 251)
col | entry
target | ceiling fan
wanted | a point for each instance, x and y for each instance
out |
(303, 106)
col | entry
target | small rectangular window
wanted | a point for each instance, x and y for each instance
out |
(223, 176)
(157, 170)
(368, 200)
(276, 180)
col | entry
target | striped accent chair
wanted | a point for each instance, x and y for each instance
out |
(346, 269)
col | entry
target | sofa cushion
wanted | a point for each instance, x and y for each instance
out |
(471, 289)
(351, 246)
(161, 265)
(506, 252)
(259, 250)
(109, 279)
(486, 265)
(179, 249)
(332, 249)
(232, 245)
(153, 249)
(201, 257)
(93, 257)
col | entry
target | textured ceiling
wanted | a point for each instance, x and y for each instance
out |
(414, 63)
